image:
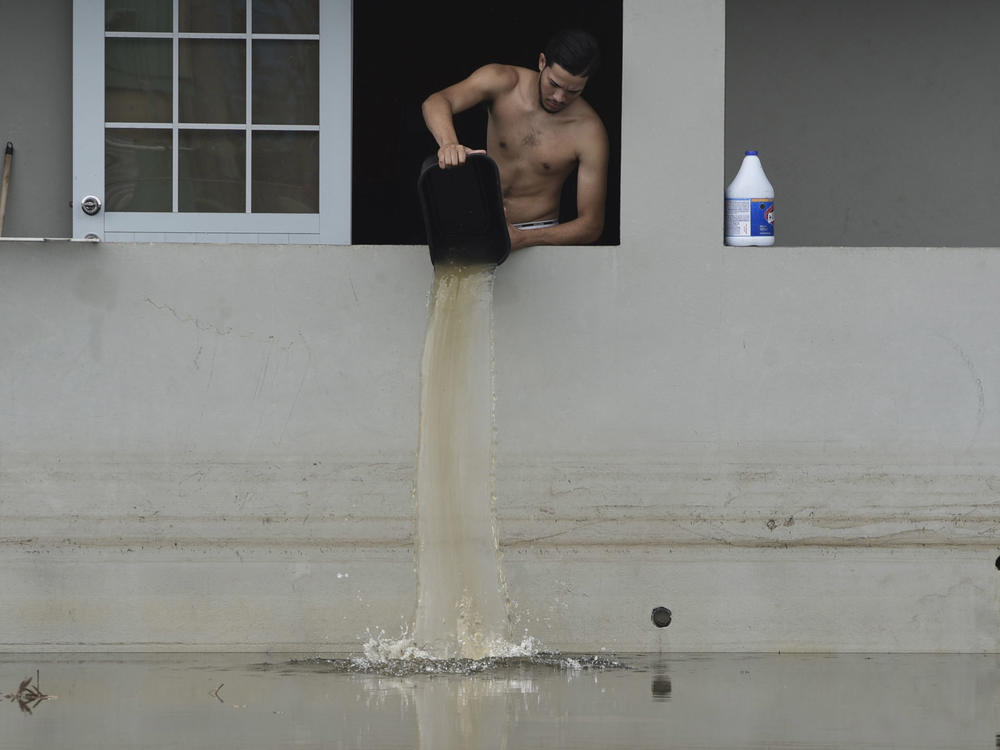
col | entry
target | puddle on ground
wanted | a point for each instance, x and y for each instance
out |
(550, 700)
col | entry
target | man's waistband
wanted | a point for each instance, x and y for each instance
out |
(537, 224)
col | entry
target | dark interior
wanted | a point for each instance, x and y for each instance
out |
(404, 52)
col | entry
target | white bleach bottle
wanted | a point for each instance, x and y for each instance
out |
(750, 205)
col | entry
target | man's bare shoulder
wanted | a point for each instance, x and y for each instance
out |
(586, 115)
(588, 124)
(497, 78)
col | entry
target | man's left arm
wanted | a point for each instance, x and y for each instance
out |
(591, 191)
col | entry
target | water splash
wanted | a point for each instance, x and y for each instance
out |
(384, 655)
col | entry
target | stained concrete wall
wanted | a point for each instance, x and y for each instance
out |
(207, 447)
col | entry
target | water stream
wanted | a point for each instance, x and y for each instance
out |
(461, 597)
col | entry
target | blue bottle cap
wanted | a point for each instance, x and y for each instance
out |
(751, 153)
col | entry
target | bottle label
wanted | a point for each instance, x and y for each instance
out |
(749, 217)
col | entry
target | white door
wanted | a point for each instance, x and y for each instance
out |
(212, 120)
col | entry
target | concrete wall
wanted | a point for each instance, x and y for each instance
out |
(875, 121)
(212, 447)
(36, 98)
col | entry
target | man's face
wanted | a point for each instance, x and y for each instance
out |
(556, 87)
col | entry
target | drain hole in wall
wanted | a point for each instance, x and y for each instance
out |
(998, 568)
(661, 617)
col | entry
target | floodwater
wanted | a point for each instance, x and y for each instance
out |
(550, 701)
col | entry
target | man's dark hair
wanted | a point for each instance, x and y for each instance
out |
(575, 50)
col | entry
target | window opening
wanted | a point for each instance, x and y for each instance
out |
(390, 139)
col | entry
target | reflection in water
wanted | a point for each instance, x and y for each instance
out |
(463, 703)
(551, 701)
(459, 713)
(661, 686)
(28, 696)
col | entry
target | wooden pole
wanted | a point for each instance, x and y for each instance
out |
(8, 157)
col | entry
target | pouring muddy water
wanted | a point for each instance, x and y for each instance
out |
(461, 609)
(461, 600)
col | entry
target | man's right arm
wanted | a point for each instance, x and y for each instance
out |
(485, 84)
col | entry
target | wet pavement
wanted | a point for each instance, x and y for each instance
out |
(550, 701)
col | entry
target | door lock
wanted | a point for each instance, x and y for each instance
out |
(90, 205)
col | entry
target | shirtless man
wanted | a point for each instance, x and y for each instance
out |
(539, 129)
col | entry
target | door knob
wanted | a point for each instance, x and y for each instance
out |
(90, 205)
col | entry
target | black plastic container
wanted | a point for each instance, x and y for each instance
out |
(463, 211)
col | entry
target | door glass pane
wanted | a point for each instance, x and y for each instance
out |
(212, 80)
(217, 17)
(212, 171)
(286, 17)
(137, 168)
(138, 82)
(138, 15)
(285, 172)
(285, 82)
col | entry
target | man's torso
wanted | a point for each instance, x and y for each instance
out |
(534, 150)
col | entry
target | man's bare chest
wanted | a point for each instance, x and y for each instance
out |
(532, 142)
